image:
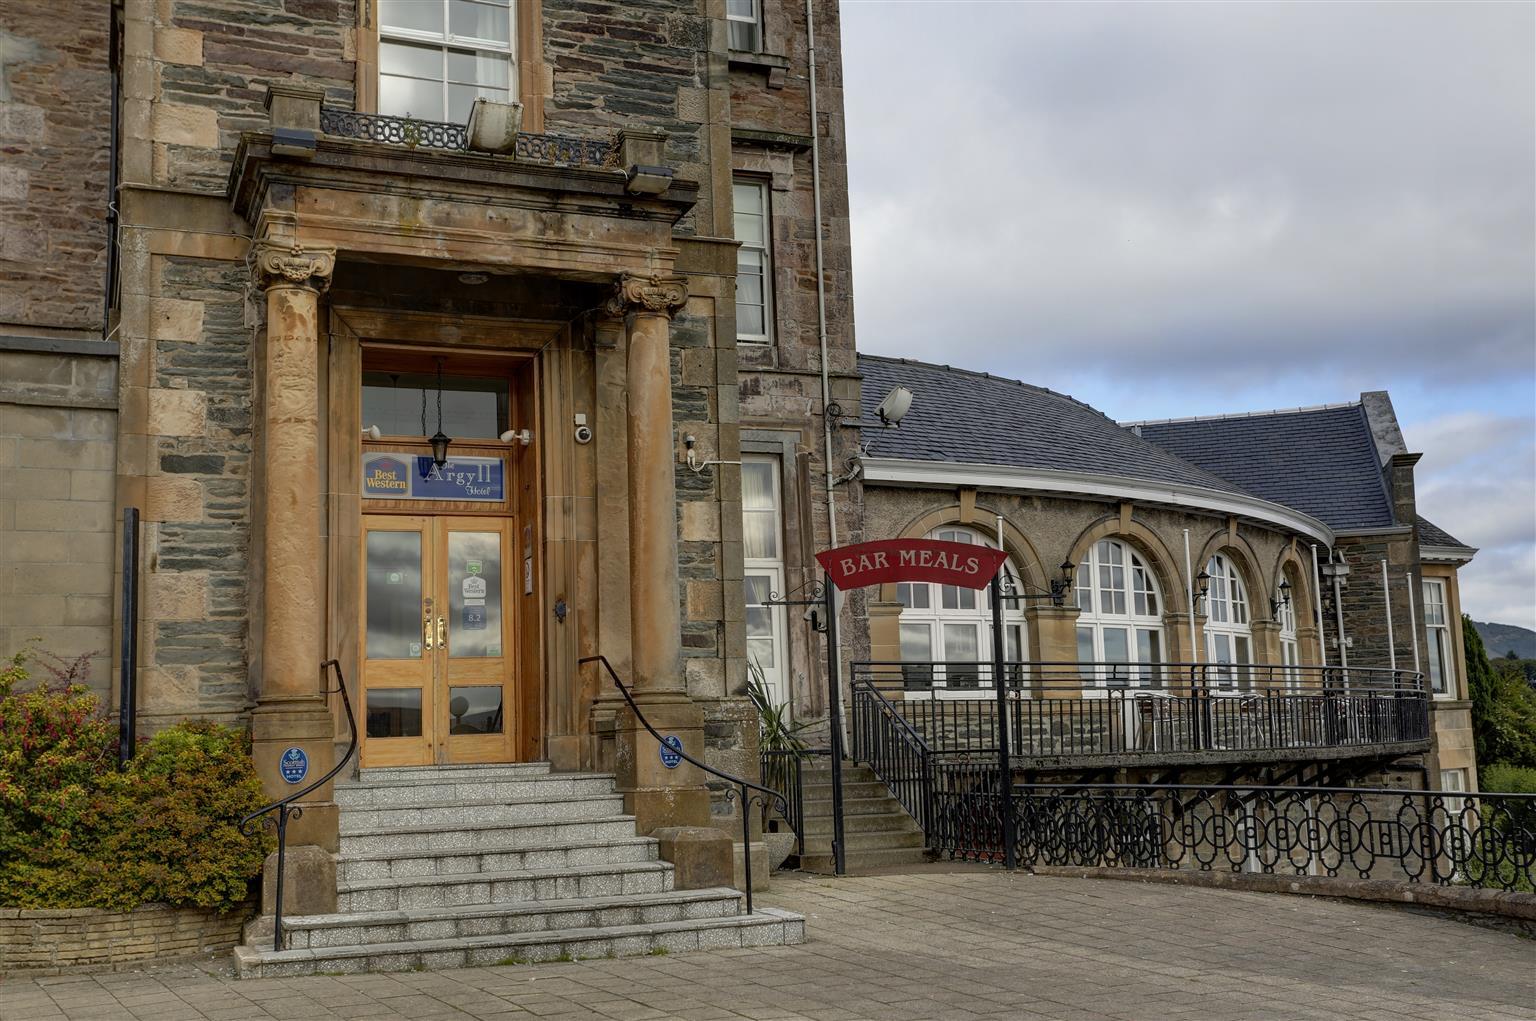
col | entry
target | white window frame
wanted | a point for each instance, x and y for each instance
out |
(923, 606)
(754, 19)
(764, 251)
(771, 569)
(1290, 645)
(444, 42)
(1229, 616)
(1437, 624)
(1115, 575)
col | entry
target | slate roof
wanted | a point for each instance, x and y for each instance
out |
(976, 418)
(1321, 461)
(1431, 534)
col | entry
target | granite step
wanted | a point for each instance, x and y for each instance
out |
(450, 861)
(398, 794)
(510, 887)
(862, 859)
(470, 773)
(493, 836)
(360, 928)
(764, 927)
(889, 820)
(537, 809)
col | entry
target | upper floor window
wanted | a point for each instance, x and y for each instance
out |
(1437, 624)
(436, 57)
(1121, 611)
(745, 18)
(1228, 623)
(754, 263)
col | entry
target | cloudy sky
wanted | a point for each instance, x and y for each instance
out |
(1193, 209)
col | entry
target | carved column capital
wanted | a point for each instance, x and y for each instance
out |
(295, 265)
(654, 294)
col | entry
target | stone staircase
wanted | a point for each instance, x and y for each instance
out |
(877, 829)
(454, 866)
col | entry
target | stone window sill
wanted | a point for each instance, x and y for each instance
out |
(771, 64)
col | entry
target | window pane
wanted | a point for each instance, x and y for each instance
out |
(461, 100)
(757, 588)
(1085, 645)
(1436, 662)
(412, 61)
(761, 541)
(749, 282)
(475, 709)
(402, 97)
(394, 595)
(744, 36)
(960, 643)
(478, 67)
(916, 643)
(740, 8)
(1149, 646)
(473, 408)
(750, 321)
(1222, 645)
(478, 20)
(1116, 645)
(411, 14)
(394, 712)
(1244, 655)
(474, 595)
(757, 485)
(760, 651)
(759, 622)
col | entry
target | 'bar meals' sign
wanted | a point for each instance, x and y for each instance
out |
(888, 560)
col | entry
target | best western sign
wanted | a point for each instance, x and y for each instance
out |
(413, 477)
(890, 560)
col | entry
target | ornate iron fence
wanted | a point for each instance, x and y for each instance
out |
(782, 771)
(1149, 710)
(887, 742)
(556, 150)
(1441, 837)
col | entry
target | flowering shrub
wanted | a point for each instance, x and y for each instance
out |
(76, 832)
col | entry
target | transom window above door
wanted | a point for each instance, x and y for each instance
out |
(405, 404)
(436, 57)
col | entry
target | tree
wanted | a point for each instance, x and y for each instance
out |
(1503, 705)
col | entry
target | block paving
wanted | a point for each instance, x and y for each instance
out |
(941, 942)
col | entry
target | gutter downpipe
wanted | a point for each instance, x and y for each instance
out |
(1338, 613)
(1413, 622)
(114, 65)
(1317, 600)
(1386, 595)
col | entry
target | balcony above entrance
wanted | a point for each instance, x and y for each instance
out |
(411, 191)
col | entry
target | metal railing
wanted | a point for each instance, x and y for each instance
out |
(286, 807)
(1148, 710)
(740, 786)
(886, 741)
(783, 771)
(555, 150)
(1440, 837)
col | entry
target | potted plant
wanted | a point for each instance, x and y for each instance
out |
(779, 742)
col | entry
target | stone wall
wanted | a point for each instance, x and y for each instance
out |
(53, 942)
(58, 424)
(53, 172)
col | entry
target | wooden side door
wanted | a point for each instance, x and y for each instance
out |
(398, 641)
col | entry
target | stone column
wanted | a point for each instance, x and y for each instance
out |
(671, 804)
(291, 711)
(1053, 639)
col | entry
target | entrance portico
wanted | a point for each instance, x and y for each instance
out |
(365, 253)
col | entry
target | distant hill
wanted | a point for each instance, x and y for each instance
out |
(1500, 638)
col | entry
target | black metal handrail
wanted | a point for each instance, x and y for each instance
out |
(742, 784)
(886, 741)
(782, 770)
(1443, 837)
(286, 808)
(556, 150)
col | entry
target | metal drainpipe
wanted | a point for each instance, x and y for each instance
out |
(821, 286)
(1317, 606)
(1338, 613)
(114, 66)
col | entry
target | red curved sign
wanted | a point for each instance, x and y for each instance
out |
(889, 560)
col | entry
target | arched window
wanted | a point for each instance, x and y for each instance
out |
(1290, 647)
(946, 631)
(1121, 613)
(1228, 627)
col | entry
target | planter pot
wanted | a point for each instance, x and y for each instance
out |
(493, 127)
(780, 846)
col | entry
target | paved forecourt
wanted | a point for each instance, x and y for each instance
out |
(936, 942)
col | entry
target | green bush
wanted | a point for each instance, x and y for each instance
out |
(76, 832)
(1502, 778)
(1503, 706)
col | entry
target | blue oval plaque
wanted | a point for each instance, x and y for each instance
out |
(669, 751)
(294, 765)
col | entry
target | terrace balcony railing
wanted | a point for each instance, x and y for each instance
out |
(1128, 712)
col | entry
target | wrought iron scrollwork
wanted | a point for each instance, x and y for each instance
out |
(561, 151)
(409, 131)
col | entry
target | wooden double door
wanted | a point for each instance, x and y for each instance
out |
(439, 648)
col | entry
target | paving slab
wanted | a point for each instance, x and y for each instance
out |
(936, 942)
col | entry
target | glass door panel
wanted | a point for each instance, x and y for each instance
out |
(397, 640)
(475, 655)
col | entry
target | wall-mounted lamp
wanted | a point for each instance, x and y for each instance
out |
(523, 436)
(1283, 600)
(1062, 587)
(440, 439)
(692, 460)
(372, 432)
(1203, 579)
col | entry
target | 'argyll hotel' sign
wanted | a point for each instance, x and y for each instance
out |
(413, 477)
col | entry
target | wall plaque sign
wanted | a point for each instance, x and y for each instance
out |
(415, 477)
(669, 751)
(294, 765)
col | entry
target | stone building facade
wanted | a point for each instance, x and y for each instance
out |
(294, 225)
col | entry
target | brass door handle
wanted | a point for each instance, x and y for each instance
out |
(426, 633)
(442, 632)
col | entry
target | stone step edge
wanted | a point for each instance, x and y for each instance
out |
(487, 803)
(539, 766)
(461, 850)
(513, 875)
(401, 916)
(525, 824)
(381, 783)
(763, 916)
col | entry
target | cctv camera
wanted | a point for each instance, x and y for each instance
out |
(894, 408)
(523, 436)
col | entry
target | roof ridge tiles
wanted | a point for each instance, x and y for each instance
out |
(1232, 415)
